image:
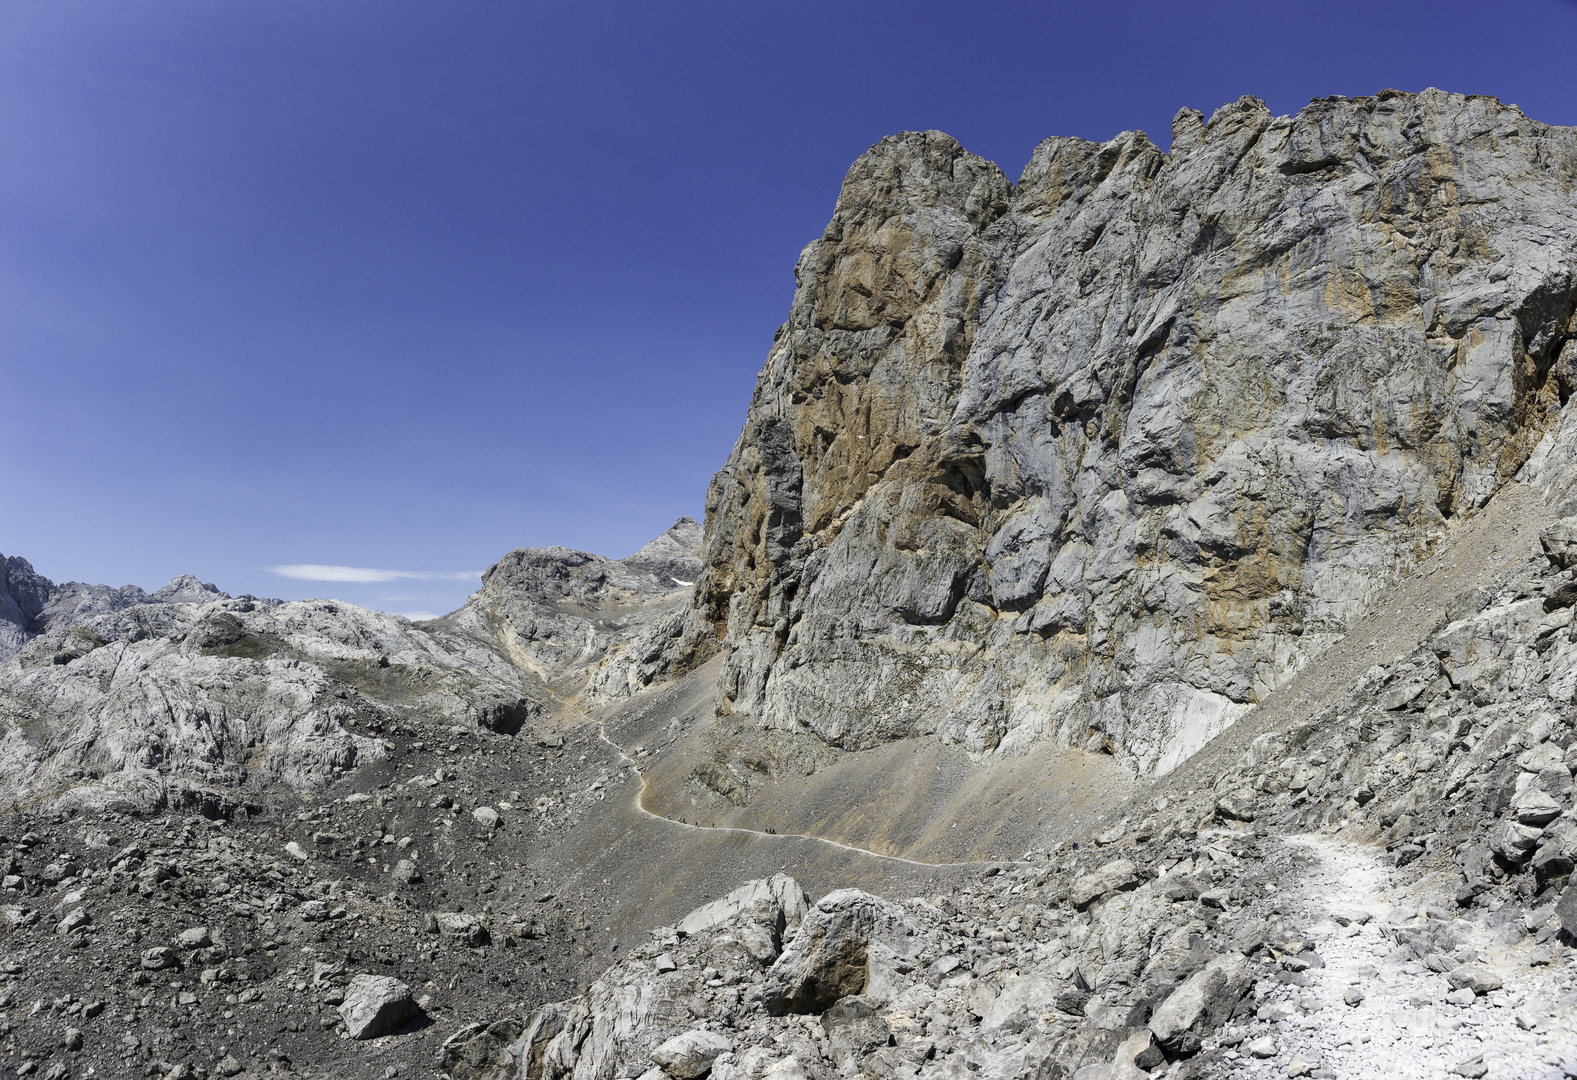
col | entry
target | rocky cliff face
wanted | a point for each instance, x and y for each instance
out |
(1107, 455)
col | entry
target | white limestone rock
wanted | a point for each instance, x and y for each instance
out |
(687, 1056)
(375, 1005)
(1107, 456)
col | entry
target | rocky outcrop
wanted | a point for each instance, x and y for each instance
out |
(584, 623)
(30, 603)
(23, 595)
(137, 707)
(1107, 455)
(124, 699)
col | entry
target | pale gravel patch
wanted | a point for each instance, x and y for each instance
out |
(1404, 1029)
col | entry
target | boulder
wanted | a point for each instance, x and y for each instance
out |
(75, 920)
(158, 958)
(1533, 806)
(1236, 805)
(690, 1055)
(759, 941)
(375, 1005)
(1474, 977)
(1514, 842)
(1116, 876)
(1559, 542)
(1262, 1047)
(779, 895)
(486, 816)
(464, 927)
(57, 872)
(829, 957)
(1202, 1003)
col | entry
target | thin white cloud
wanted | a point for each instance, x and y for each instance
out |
(366, 575)
(415, 616)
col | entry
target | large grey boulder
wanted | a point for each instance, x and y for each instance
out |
(687, 1056)
(1474, 977)
(830, 957)
(1116, 876)
(777, 901)
(1202, 1003)
(375, 1005)
(1559, 541)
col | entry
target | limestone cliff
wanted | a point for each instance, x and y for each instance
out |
(1107, 455)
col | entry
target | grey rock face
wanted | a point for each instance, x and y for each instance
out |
(586, 624)
(1106, 456)
(1560, 543)
(30, 603)
(23, 596)
(174, 703)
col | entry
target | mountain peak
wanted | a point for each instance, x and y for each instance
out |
(186, 589)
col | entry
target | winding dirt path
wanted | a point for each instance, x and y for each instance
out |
(640, 805)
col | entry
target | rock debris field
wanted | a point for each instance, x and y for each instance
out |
(1377, 888)
(1359, 1003)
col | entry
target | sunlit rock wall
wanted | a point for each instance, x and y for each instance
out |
(1106, 456)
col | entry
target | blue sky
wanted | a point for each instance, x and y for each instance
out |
(401, 286)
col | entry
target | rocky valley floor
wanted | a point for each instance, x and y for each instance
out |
(1371, 884)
